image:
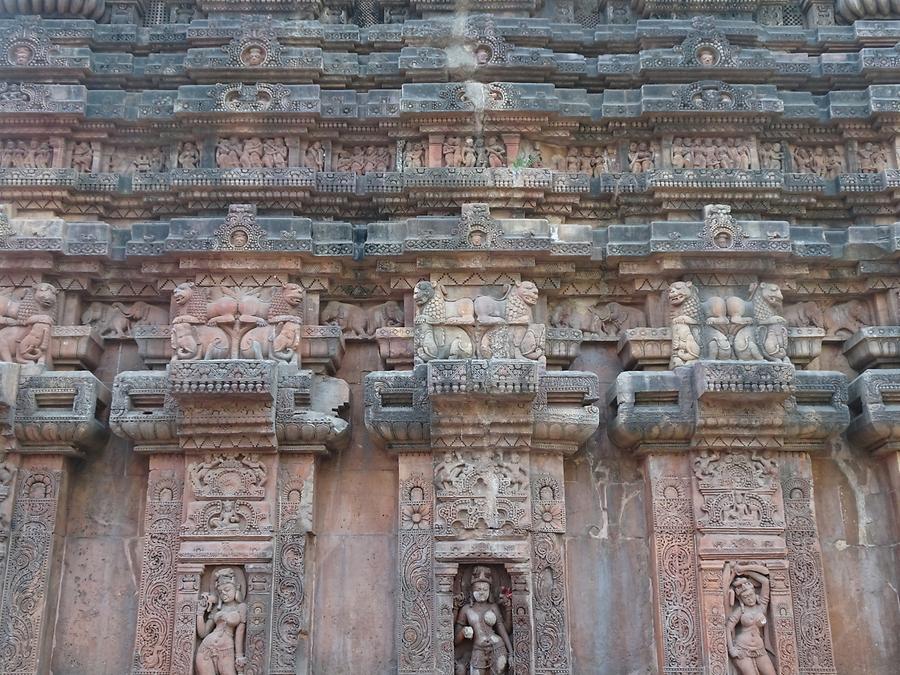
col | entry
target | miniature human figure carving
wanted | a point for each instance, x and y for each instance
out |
(746, 625)
(415, 155)
(253, 56)
(640, 157)
(314, 157)
(469, 156)
(771, 156)
(481, 621)
(222, 625)
(188, 155)
(82, 156)
(275, 153)
(496, 151)
(451, 151)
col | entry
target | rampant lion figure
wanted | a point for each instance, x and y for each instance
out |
(764, 338)
(691, 337)
(434, 339)
(25, 325)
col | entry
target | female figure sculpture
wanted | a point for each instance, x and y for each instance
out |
(222, 625)
(745, 629)
(482, 622)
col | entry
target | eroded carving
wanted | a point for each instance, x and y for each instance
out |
(26, 322)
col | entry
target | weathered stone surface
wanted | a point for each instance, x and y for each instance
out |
(437, 337)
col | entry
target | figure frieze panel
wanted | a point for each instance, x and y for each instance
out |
(362, 322)
(473, 151)
(26, 320)
(824, 161)
(363, 159)
(252, 153)
(711, 153)
(137, 160)
(601, 319)
(643, 156)
(312, 156)
(188, 156)
(116, 321)
(26, 154)
(481, 326)
(727, 328)
(771, 155)
(837, 319)
(222, 475)
(237, 323)
(872, 157)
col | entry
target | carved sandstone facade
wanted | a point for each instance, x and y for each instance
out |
(426, 337)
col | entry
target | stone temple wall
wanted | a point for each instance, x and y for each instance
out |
(550, 337)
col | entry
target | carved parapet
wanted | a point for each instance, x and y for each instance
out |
(732, 379)
(75, 347)
(728, 405)
(262, 405)
(321, 348)
(495, 377)
(58, 413)
(873, 347)
(9, 387)
(875, 402)
(143, 410)
(645, 348)
(154, 343)
(189, 380)
(563, 346)
(564, 414)
(395, 344)
(652, 411)
(804, 344)
(398, 411)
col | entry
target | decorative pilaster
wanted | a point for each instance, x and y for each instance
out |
(481, 429)
(724, 436)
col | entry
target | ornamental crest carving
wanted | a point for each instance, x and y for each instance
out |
(26, 45)
(720, 230)
(222, 475)
(706, 47)
(251, 97)
(480, 491)
(713, 96)
(256, 47)
(487, 45)
(240, 231)
(738, 491)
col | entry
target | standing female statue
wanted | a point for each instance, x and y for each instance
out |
(482, 622)
(745, 630)
(222, 625)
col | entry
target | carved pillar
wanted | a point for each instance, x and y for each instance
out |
(674, 552)
(290, 610)
(419, 631)
(156, 599)
(725, 435)
(28, 605)
(45, 417)
(807, 579)
(481, 442)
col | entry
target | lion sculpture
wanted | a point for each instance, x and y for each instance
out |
(26, 325)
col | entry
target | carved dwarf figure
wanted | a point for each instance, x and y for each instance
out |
(481, 621)
(26, 324)
(746, 625)
(222, 626)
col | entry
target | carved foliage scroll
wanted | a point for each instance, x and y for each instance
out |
(162, 516)
(290, 621)
(676, 585)
(416, 575)
(25, 584)
(811, 622)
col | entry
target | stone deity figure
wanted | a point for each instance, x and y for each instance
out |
(745, 629)
(222, 625)
(481, 621)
